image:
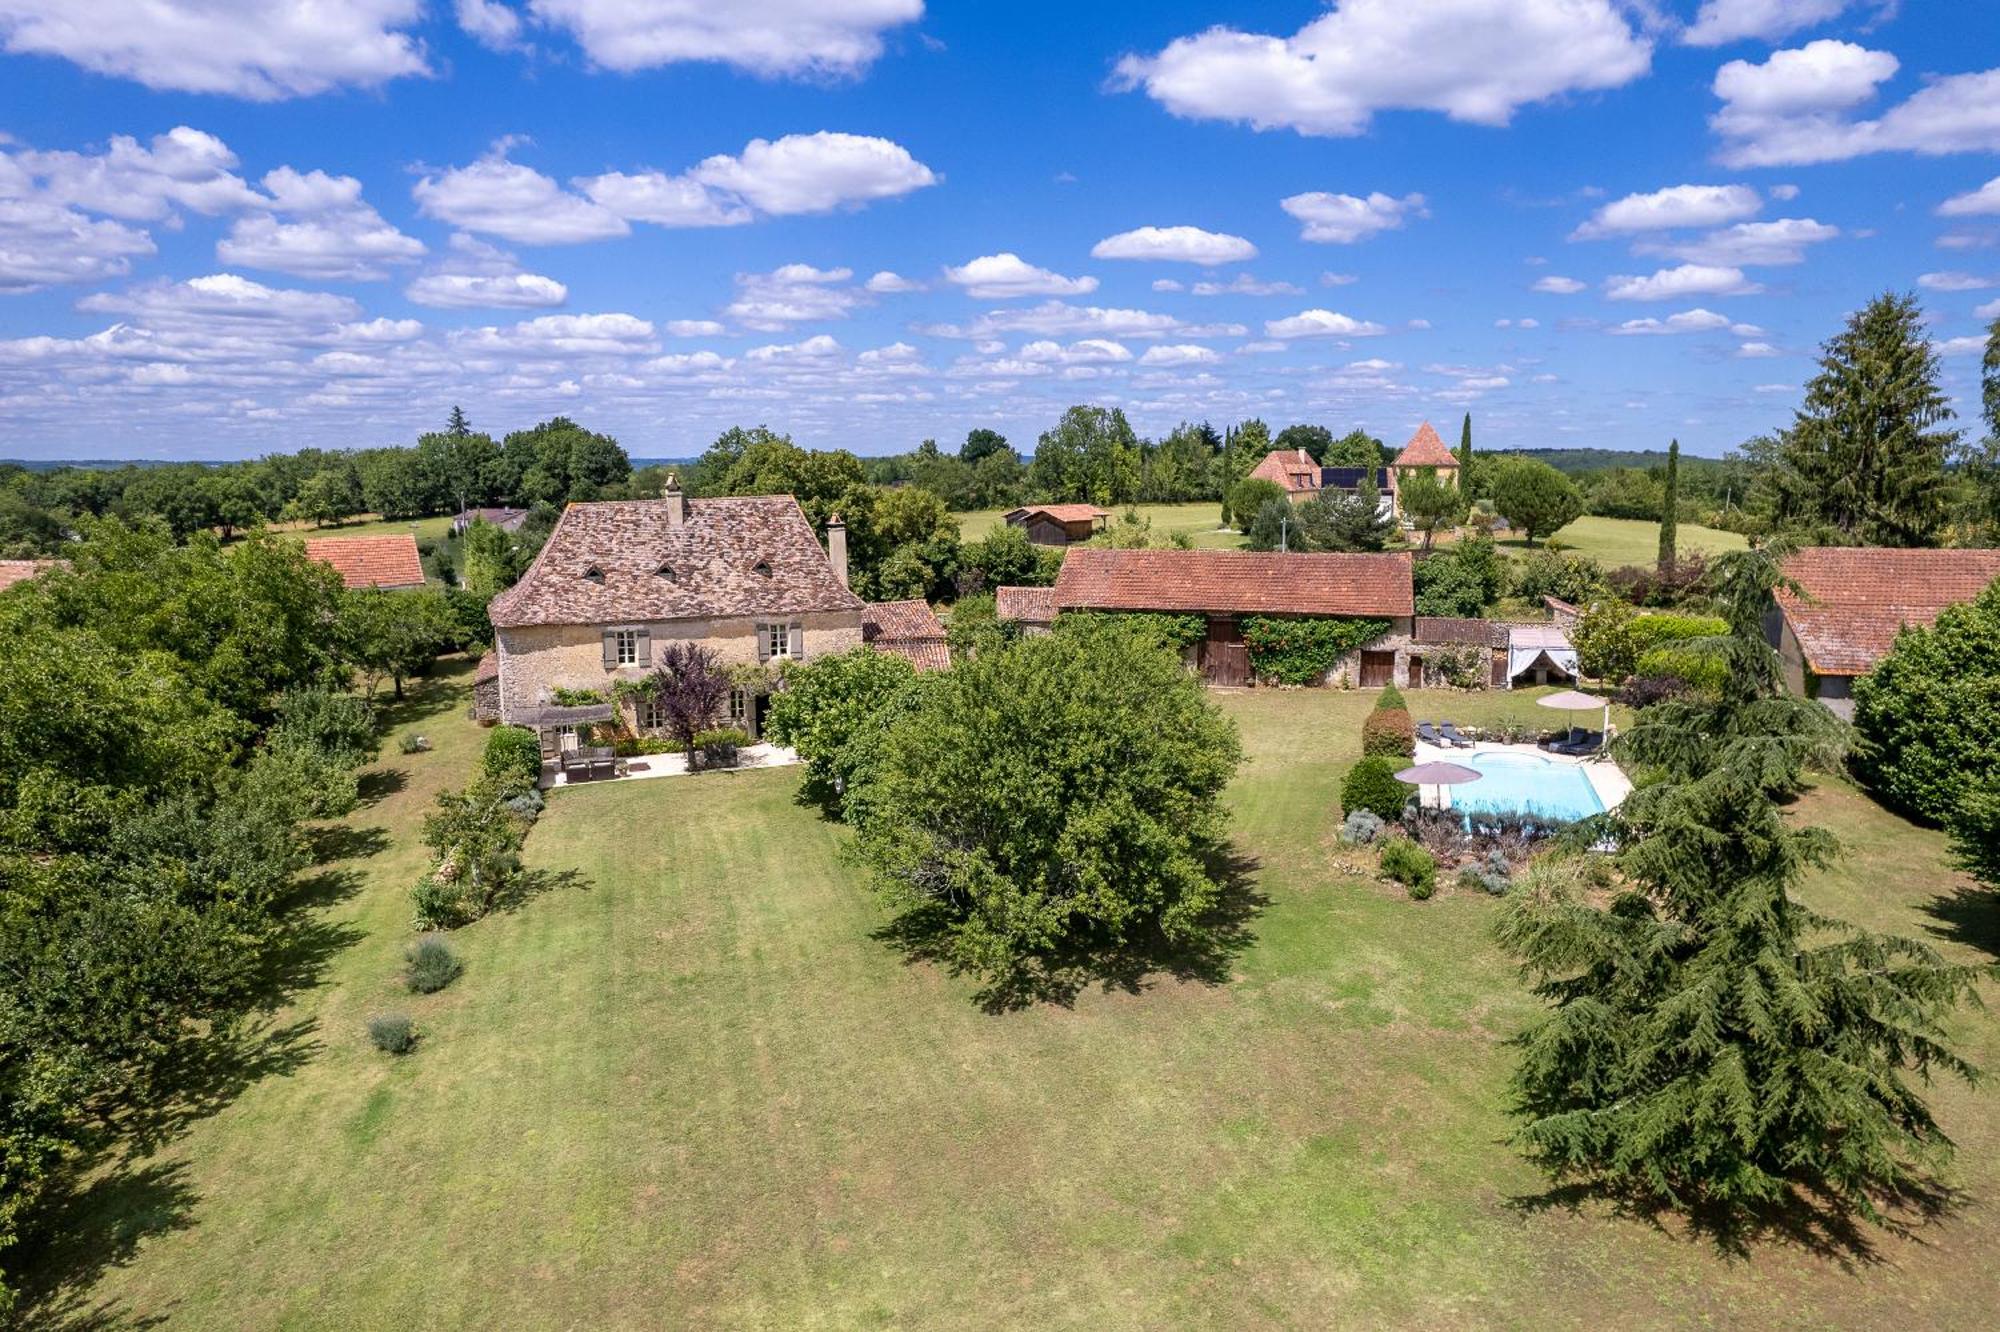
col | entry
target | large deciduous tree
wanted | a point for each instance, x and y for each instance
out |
(1091, 456)
(1059, 795)
(1864, 461)
(1929, 713)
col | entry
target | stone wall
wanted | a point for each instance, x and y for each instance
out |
(536, 660)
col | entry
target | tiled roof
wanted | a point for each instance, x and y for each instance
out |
(910, 629)
(1231, 581)
(1065, 513)
(487, 669)
(1444, 629)
(1294, 469)
(1029, 605)
(372, 561)
(1858, 597)
(622, 560)
(1425, 449)
(20, 571)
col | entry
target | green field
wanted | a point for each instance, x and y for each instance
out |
(1615, 541)
(424, 529)
(685, 1086)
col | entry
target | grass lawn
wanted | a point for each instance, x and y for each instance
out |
(689, 1088)
(1616, 541)
(368, 524)
(1199, 521)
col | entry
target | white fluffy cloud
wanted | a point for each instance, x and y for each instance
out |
(1321, 324)
(1472, 60)
(1556, 285)
(1781, 241)
(1696, 320)
(1981, 202)
(1342, 219)
(792, 294)
(1059, 317)
(260, 49)
(1670, 284)
(1675, 206)
(1244, 285)
(1190, 245)
(769, 37)
(44, 244)
(490, 23)
(1088, 351)
(504, 198)
(1187, 353)
(1954, 281)
(886, 283)
(1720, 22)
(181, 169)
(476, 275)
(582, 335)
(1800, 106)
(331, 234)
(1007, 275)
(799, 173)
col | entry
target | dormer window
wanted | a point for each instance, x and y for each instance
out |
(593, 574)
(762, 568)
(666, 571)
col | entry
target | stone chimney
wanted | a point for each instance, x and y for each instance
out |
(836, 547)
(677, 505)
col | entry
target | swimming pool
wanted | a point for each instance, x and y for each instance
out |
(1526, 784)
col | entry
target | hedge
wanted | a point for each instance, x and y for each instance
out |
(513, 756)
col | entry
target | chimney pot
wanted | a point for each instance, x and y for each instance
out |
(836, 547)
(677, 508)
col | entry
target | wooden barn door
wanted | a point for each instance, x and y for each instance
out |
(1377, 669)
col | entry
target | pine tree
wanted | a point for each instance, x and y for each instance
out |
(457, 424)
(1863, 461)
(1670, 509)
(1712, 1041)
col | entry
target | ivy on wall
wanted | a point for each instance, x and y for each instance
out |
(1302, 651)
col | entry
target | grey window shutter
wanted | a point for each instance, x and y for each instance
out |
(795, 644)
(610, 650)
(645, 646)
(763, 642)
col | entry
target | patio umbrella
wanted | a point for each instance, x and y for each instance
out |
(1439, 775)
(1569, 700)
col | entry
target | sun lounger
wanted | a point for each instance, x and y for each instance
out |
(1450, 732)
(1428, 734)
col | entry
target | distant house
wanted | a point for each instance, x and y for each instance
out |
(1425, 451)
(744, 575)
(1851, 603)
(1059, 524)
(1292, 470)
(1033, 608)
(1295, 472)
(387, 562)
(910, 629)
(1225, 585)
(507, 520)
(20, 571)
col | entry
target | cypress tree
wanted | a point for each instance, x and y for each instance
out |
(1465, 456)
(1864, 460)
(1712, 1041)
(1670, 508)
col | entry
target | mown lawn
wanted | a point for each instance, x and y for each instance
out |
(368, 524)
(689, 1087)
(1617, 541)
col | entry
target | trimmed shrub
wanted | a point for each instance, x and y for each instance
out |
(513, 756)
(529, 804)
(1361, 828)
(1390, 697)
(1371, 785)
(1249, 495)
(414, 744)
(1495, 875)
(1390, 733)
(1410, 865)
(721, 747)
(392, 1033)
(432, 965)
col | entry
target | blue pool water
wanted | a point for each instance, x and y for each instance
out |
(1527, 784)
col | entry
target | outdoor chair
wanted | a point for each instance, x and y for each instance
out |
(1428, 734)
(1450, 733)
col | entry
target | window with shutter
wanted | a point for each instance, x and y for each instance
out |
(610, 649)
(795, 642)
(763, 636)
(644, 641)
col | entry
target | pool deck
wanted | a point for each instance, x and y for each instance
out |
(1605, 777)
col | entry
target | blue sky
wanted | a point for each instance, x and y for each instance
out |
(230, 227)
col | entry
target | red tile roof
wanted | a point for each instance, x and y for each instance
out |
(20, 571)
(616, 561)
(1425, 449)
(1294, 469)
(1856, 598)
(910, 629)
(1235, 582)
(372, 561)
(1065, 513)
(1029, 605)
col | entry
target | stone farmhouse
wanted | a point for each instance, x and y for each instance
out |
(1301, 478)
(745, 576)
(1852, 601)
